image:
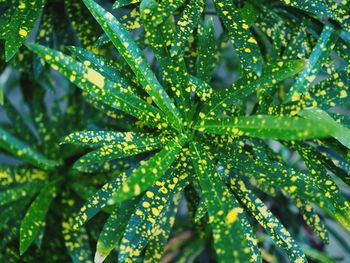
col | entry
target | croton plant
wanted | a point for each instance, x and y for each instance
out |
(174, 131)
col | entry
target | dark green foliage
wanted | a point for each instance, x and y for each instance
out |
(238, 110)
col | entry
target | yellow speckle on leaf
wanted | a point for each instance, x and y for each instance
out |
(145, 204)
(231, 216)
(296, 96)
(95, 78)
(155, 211)
(252, 40)
(22, 5)
(293, 188)
(23, 32)
(343, 94)
(149, 194)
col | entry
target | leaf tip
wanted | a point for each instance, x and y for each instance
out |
(99, 258)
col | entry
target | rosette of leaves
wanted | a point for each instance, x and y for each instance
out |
(190, 133)
(38, 190)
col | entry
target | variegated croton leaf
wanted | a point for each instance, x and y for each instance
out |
(202, 131)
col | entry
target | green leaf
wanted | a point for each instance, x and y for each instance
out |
(25, 152)
(102, 138)
(266, 127)
(117, 151)
(234, 240)
(173, 69)
(267, 220)
(338, 131)
(113, 229)
(111, 93)
(207, 50)
(35, 216)
(271, 75)
(150, 170)
(186, 24)
(317, 59)
(241, 37)
(21, 24)
(126, 46)
(100, 64)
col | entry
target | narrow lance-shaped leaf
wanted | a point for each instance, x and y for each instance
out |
(267, 220)
(100, 87)
(113, 229)
(150, 170)
(102, 138)
(11, 212)
(266, 127)
(186, 24)
(118, 151)
(21, 24)
(206, 50)
(24, 151)
(318, 57)
(340, 132)
(101, 65)
(233, 238)
(173, 69)
(241, 37)
(123, 41)
(35, 216)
